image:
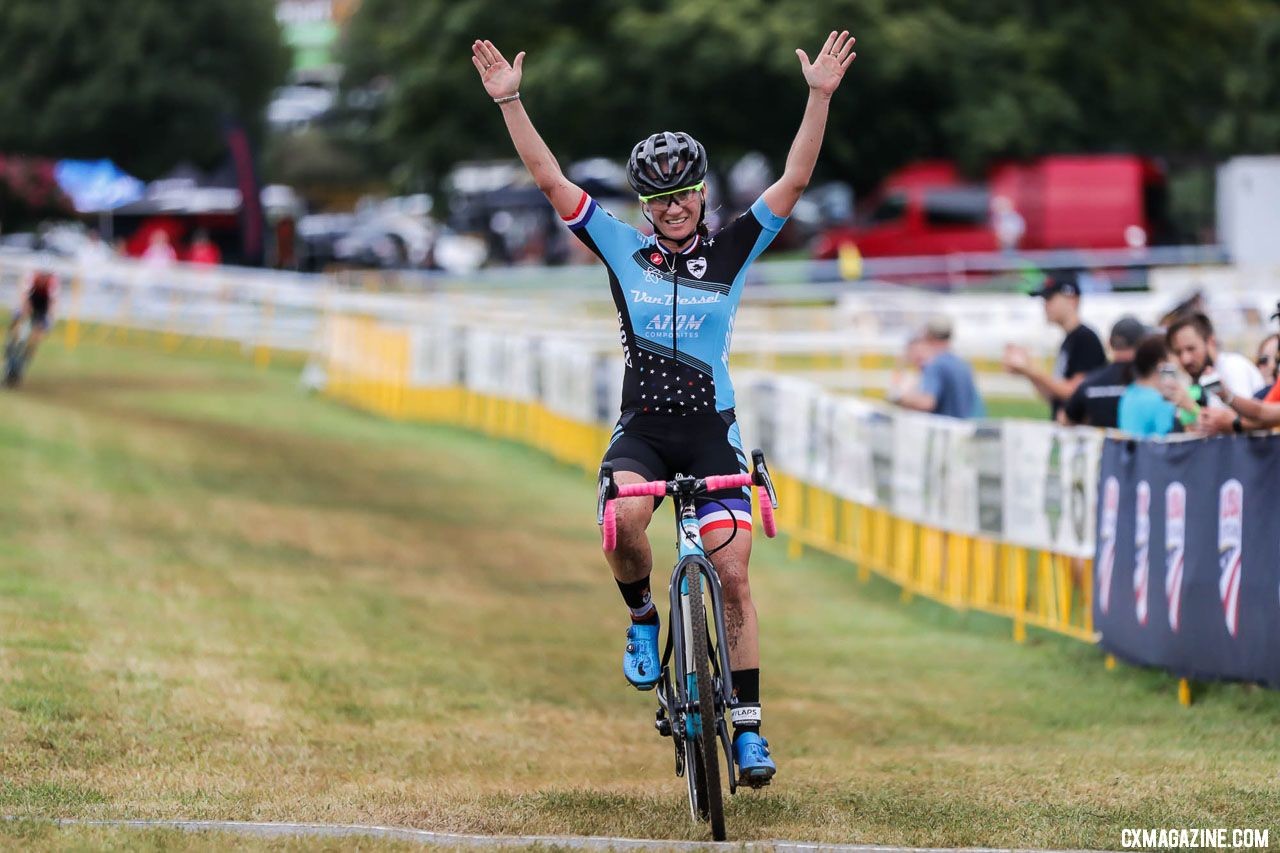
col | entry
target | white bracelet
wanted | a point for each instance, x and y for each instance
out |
(507, 99)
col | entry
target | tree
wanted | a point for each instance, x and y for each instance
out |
(972, 80)
(147, 83)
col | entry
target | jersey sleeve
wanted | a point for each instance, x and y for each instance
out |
(612, 240)
(752, 232)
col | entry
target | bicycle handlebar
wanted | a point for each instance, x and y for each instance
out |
(654, 488)
(661, 488)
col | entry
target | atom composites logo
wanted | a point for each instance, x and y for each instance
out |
(1142, 552)
(1107, 541)
(1175, 546)
(1230, 550)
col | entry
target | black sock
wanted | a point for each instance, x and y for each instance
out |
(639, 602)
(746, 694)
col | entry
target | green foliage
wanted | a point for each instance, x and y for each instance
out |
(969, 79)
(29, 192)
(146, 83)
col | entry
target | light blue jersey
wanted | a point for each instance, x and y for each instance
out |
(676, 311)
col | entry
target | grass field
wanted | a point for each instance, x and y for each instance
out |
(221, 598)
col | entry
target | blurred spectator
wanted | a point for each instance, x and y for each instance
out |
(946, 384)
(203, 250)
(1097, 401)
(1193, 304)
(159, 254)
(286, 251)
(1144, 411)
(1007, 223)
(1081, 350)
(1192, 341)
(1260, 412)
(1267, 364)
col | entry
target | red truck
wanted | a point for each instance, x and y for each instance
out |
(1065, 201)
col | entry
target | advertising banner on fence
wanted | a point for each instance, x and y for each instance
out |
(1032, 484)
(1188, 556)
(1050, 484)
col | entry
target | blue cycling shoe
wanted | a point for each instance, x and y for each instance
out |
(641, 663)
(755, 767)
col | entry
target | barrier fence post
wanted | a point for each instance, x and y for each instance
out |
(1019, 594)
(72, 338)
(262, 355)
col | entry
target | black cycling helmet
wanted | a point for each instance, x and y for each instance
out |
(666, 161)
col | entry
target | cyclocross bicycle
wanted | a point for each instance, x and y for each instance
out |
(695, 687)
(15, 353)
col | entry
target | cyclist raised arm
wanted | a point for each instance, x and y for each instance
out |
(502, 81)
(823, 76)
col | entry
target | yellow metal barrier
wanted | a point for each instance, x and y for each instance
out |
(1028, 587)
(1036, 588)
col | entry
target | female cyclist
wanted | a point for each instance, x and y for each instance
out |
(676, 293)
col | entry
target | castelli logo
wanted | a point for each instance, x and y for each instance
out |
(655, 258)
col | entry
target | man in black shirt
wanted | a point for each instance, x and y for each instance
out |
(1097, 401)
(1081, 350)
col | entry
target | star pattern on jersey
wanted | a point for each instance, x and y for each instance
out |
(684, 390)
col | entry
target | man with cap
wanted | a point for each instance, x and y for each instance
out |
(946, 381)
(1097, 401)
(1081, 350)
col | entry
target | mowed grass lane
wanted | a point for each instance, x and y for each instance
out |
(221, 598)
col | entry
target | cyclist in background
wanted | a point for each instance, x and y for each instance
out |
(676, 294)
(39, 295)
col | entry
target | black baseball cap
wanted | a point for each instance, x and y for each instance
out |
(1128, 332)
(1058, 282)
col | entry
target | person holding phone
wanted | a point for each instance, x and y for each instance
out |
(1145, 410)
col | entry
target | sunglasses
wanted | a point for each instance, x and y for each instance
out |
(679, 196)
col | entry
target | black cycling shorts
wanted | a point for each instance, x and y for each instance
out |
(657, 447)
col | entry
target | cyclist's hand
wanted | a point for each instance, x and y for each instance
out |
(501, 79)
(825, 73)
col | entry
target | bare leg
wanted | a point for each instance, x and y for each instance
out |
(632, 560)
(740, 623)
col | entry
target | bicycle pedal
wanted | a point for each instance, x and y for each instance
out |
(756, 779)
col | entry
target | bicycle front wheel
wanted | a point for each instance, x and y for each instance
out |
(704, 768)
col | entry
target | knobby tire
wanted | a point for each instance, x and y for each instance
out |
(707, 765)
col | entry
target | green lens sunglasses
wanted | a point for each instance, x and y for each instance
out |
(677, 196)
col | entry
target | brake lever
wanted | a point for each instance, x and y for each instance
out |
(760, 476)
(606, 490)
